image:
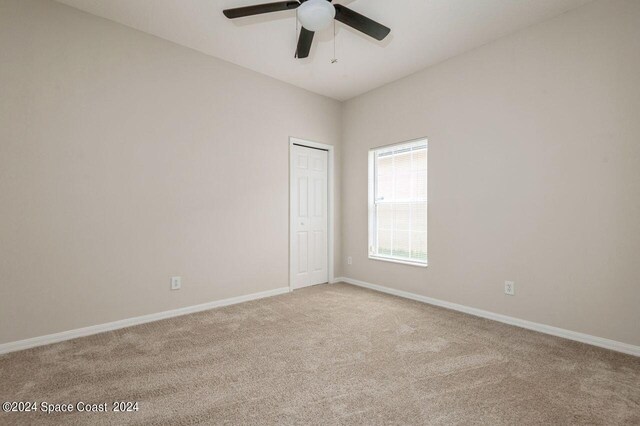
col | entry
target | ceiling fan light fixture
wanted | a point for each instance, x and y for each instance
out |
(316, 15)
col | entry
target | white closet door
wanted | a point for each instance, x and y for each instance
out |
(309, 197)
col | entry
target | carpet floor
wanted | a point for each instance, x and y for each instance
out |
(330, 354)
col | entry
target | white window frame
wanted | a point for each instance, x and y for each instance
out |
(372, 204)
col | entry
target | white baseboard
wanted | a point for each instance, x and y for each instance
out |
(542, 328)
(100, 328)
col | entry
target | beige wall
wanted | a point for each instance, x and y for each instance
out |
(125, 159)
(534, 173)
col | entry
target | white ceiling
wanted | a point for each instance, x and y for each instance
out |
(423, 32)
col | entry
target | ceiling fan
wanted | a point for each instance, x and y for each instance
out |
(314, 15)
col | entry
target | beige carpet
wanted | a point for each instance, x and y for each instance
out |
(331, 354)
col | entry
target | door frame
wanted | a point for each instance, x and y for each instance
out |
(330, 204)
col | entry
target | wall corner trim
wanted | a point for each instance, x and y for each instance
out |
(115, 325)
(541, 328)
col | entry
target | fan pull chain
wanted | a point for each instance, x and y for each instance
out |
(295, 39)
(334, 60)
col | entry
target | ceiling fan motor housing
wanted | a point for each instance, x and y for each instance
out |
(316, 15)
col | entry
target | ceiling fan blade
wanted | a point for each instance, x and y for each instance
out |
(304, 43)
(361, 22)
(258, 9)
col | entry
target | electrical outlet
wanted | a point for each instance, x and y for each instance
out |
(176, 283)
(510, 288)
(349, 260)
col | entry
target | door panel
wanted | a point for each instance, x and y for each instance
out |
(303, 197)
(318, 240)
(309, 209)
(319, 205)
(303, 252)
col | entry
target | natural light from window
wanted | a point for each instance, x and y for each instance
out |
(398, 203)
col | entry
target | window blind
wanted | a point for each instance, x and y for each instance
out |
(399, 205)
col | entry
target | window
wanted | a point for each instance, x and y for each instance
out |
(398, 203)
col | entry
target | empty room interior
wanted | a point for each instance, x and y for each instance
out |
(298, 212)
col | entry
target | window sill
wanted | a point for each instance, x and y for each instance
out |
(403, 262)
